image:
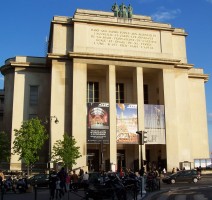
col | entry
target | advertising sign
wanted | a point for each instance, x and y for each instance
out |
(98, 123)
(127, 123)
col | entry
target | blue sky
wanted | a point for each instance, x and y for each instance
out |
(25, 25)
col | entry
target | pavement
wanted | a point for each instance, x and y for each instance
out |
(43, 194)
(163, 189)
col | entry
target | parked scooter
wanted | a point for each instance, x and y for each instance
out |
(22, 185)
(9, 185)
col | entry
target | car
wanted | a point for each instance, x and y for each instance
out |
(41, 180)
(182, 176)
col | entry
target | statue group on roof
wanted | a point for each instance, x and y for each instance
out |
(122, 10)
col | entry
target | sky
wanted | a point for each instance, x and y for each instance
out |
(25, 25)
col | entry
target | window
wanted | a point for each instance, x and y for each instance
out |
(32, 116)
(93, 92)
(146, 95)
(119, 93)
(2, 101)
(33, 95)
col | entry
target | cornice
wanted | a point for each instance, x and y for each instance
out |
(199, 76)
(12, 65)
(122, 58)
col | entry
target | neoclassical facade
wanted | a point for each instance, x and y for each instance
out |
(106, 77)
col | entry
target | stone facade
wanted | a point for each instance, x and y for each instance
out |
(97, 47)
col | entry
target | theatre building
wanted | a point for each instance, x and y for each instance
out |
(104, 78)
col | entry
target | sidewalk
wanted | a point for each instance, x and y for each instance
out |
(42, 194)
(149, 195)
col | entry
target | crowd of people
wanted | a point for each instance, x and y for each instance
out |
(62, 182)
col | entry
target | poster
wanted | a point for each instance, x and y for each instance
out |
(98, 130)
(127, 123)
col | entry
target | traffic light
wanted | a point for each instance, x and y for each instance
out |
(142, 137)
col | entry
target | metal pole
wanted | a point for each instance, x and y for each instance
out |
(50, 143)
(102, 156)
(35, 188)
(2, 191)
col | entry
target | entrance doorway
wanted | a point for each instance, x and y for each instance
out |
(93, 160)
(121, 159)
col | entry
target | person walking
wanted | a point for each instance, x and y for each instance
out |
(1, 176)
(68, 181)
(62, 176)
(85, 180)
(52, 184)
(74, 180)
(164, 172)
(59, 191)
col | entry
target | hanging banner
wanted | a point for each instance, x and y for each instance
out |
(154, 116)
(154, 123)
(127, 123)
(98, 123)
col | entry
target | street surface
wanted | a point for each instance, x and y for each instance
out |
(184, 191)
(179, 191)
(42, 194)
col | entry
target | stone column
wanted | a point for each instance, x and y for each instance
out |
(17, 113)
(140, 103)
(57, 107)
(111, 83)
(170, 119)
(79, 110)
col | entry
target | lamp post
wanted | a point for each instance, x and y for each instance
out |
(48, 120)
(102, 155)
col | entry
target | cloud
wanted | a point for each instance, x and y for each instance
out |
(163, 14)
(210, 1)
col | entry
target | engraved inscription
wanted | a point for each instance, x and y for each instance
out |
(148, 41)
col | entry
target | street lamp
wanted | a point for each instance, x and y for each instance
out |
(49, 120)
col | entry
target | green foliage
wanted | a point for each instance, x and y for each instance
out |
(29, 139)
(4, 147)
(66, 151)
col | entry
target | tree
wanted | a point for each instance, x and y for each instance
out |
(66, 151)
(29, 139)
(5, 148)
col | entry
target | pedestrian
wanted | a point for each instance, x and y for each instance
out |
(121, 174)
(52, 184)
(173, 171)
(74, 180)
(1, 176)
(141, 171)
(68, 181)
(85, 180)
(199, 170)
(164, 171)
(81, 173)
(62, 176)
(58, 189)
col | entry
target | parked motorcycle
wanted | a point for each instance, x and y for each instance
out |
(9, 185)
(22, 185)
